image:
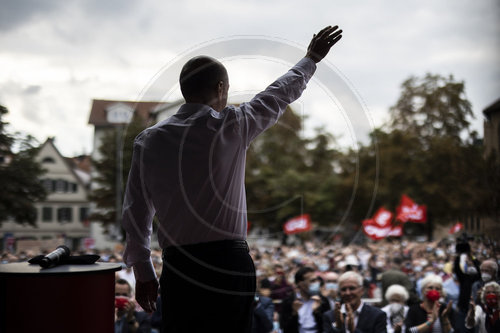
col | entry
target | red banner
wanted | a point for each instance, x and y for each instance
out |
(373, 230)
(409, 211)
(297, 224)
(456, 228)
(383, 217)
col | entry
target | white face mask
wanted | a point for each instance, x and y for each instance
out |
(486, 277)
(314, 288)
(395, 307)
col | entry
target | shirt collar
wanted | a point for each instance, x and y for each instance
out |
(358, 310)
(189, 109)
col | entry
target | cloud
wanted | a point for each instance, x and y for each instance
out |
(32, 90)
(16, 13)
(57, 56)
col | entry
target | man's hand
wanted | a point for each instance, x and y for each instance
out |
(146, 294)
(316, 302)
(322, 42)
(350, 318)
(296, 306)
(339, 321)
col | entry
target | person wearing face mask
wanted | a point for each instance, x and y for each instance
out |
(302, 311)
(331, 287)
(397, 296)
(430, 315)
(485, 318)
(488, 271)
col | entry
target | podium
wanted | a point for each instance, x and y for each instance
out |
(67, 298)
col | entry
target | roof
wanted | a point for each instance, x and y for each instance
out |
(493, 108)
(82, 162)
(145, 110)
(80, 175)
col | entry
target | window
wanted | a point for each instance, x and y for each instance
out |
(84, 214)
(46, 214)
(48, 160)
(61, 186)
(48, 185)
(74, 187)
(65, 215)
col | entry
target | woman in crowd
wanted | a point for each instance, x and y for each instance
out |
(396, 311)
(485, 318)
(430, 315)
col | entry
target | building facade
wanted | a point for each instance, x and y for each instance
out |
(492, 129)
(62, 216)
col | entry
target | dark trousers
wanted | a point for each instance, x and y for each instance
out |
(208, 287)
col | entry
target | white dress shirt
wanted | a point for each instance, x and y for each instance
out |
(189, 171)
(343, 311)
(307, 323)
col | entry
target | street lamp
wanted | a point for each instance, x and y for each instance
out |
(119, 115)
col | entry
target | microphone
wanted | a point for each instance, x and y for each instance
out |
(55, 257)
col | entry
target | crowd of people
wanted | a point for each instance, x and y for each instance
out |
(397, 286)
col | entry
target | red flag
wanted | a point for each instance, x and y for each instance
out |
(456, 228)
(396, 231)
(376, 232)
(408, 210)
(298, 224)
(383, 217)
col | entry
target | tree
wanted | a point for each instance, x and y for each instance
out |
(288, 175)
(274, 181)
(19, 175)
(105, 195)
(428, 153)
(432, 106)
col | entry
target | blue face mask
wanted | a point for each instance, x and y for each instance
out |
(331, 286)
(323, 267)
(314, 288)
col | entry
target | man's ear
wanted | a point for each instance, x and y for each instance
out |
(220, 88)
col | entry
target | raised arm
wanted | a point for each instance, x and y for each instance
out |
(266, 108)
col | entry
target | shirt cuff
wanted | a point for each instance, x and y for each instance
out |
(144, 271)
(308, 65)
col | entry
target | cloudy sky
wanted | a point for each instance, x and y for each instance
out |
(56, 56)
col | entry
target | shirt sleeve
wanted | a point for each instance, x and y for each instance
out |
(137, 220)
(266, 108)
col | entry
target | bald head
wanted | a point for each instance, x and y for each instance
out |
(201, 79)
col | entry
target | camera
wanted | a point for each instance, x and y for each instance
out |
(462, 243)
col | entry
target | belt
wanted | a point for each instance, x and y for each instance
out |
(203, 247)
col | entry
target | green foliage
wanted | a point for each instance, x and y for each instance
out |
(287, 175)
(19, 176)
(432, 106)
(428, 153)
